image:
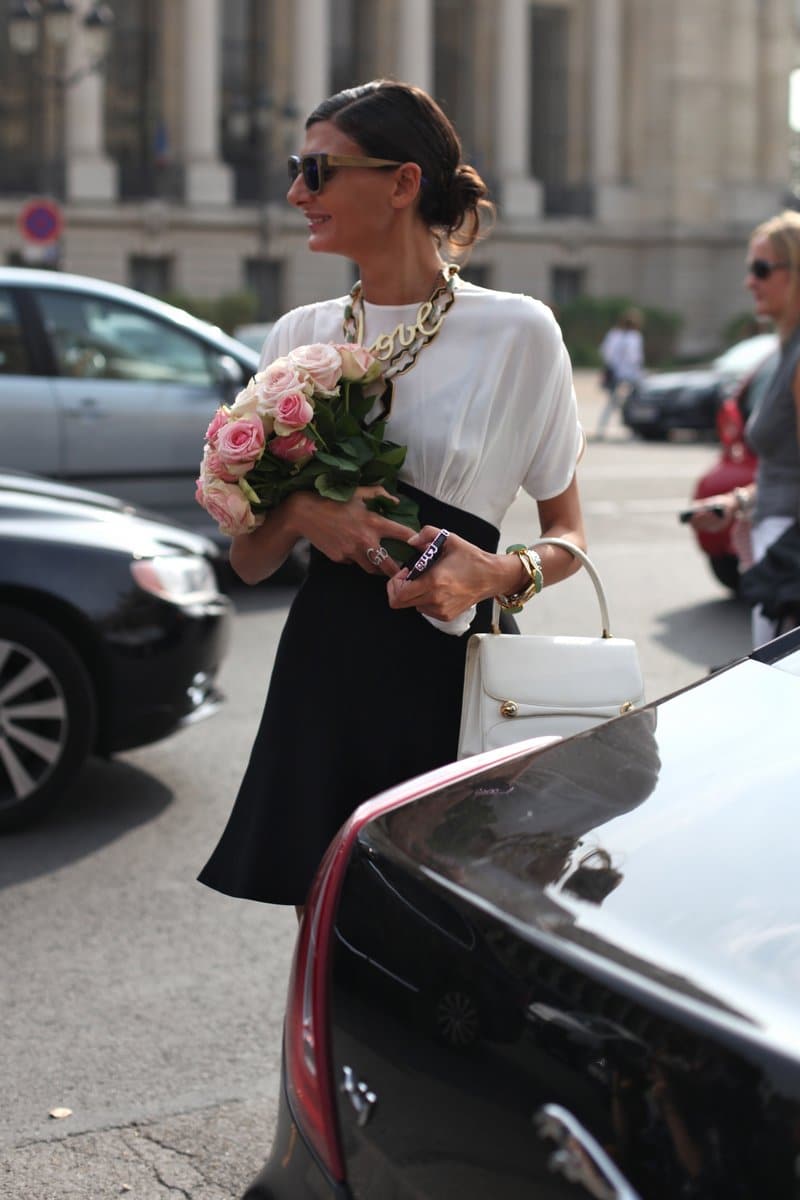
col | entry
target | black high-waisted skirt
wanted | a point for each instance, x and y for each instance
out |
(361, 697)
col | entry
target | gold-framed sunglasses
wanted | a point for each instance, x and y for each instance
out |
(316, 168)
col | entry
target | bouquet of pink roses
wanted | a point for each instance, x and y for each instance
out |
(299, 424)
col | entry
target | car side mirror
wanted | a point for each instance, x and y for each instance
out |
(229, 374)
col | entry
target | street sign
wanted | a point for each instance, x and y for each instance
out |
(41, 221)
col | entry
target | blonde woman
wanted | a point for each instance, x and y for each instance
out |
(772, 502)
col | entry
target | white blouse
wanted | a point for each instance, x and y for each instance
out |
(488, 407)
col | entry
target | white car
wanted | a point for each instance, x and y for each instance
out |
(111, 389)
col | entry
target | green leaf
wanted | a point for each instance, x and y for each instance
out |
(332, 490)
(338, 462)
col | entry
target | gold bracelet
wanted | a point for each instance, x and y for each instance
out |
(533, 565)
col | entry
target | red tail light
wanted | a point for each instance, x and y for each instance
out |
(730, 427)
(307, 1041)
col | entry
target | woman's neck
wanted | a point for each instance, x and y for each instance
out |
(400, 279)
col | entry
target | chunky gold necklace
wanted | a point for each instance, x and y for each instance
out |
(400, 348)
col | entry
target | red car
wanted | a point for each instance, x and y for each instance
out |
(735, 468)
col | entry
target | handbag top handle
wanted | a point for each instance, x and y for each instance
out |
(591, 570)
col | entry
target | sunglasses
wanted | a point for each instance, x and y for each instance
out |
(317, 168)
(760, 268)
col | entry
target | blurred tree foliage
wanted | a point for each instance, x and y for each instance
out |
(585, 321)
(226, 311)
(743, 325)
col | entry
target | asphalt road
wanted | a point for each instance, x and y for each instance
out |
(151, 1007)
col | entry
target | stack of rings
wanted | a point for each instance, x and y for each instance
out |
(377, 555)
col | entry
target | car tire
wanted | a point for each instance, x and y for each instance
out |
(726, 570)
(47, 716)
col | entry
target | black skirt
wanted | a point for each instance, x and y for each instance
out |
(361, 697)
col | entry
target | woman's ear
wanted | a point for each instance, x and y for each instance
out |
(407, 184)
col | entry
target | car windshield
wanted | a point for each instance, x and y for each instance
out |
(745, 356)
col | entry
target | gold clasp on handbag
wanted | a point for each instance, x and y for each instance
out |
(508, 709)
(627, 706)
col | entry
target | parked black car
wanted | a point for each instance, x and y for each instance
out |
(689, 399)
(112, 630)
(618, 919)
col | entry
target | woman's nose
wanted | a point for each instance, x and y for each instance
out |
(298, 192)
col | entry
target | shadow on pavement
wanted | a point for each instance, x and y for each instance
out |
(108, 800)
(711, 634)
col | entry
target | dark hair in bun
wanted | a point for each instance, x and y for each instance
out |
(399, 121)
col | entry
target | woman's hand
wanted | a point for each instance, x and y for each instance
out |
(461, 575)
(464, 574)
(344, 531)
(704, 518)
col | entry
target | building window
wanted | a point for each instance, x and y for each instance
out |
(454, 67)
(353, 36)
(138, 134)
(566, 284)
(549, 30)
(31, 118)
(151, 274)
(264, 278)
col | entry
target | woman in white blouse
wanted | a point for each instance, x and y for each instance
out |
(366, 686)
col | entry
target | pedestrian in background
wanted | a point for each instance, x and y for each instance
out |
(772, 502)
(622, 352)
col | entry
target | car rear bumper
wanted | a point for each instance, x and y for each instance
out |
(292, 1171)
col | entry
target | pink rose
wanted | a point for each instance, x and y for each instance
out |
(358, 364)
(266, 388)
(241, 441)
(226, 504)
(219, 419)
(294, 448)
(292, 412)
(212, 467)
(280, 378)
(321, 362)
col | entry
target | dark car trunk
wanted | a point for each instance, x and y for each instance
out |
(530, 995)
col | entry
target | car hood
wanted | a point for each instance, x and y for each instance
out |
(663, 842)
(32, 507)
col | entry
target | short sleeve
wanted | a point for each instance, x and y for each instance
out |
(557, 438)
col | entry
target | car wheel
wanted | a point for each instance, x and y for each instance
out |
(457, 1017)
(726, 570)
(47, 716)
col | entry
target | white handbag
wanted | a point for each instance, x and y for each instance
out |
(520, 686)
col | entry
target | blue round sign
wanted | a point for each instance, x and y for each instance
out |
(41, 221)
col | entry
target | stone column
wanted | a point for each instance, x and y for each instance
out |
(415, 48)
(311, 53)
(89, 173)
(611, 197)
(606, 85)
(207, 180)
(520, 194)
(778, 56)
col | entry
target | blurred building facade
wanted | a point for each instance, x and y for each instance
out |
(630, 144)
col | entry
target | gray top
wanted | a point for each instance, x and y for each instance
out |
(772, 432)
